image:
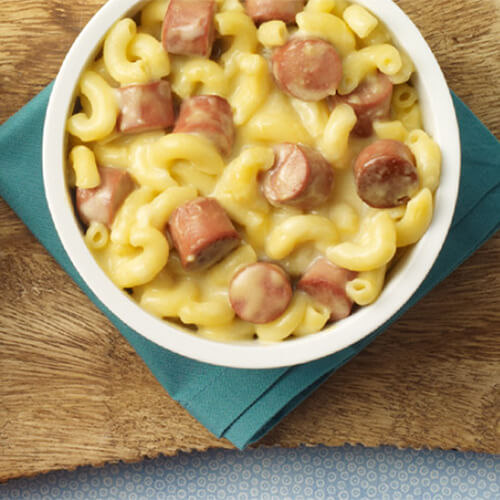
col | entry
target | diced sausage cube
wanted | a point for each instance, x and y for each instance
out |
(301, 177)
(385, 174)
(371, 101)
(202, 233)
(100, 204)
(260, 292)
(145, 107)
(188, 27)
(326, 283)
(308, 69)
(210, 116)
(267, 10)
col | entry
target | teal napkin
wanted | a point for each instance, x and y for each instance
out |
(242, 405)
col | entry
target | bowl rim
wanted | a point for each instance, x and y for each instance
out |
(254, 355)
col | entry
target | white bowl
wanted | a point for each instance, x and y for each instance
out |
(439, 120)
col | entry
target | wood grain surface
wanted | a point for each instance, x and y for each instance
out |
(73, 392)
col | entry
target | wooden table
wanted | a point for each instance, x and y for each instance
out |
(73, 392)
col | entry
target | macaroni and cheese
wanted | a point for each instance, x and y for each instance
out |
(250, 169)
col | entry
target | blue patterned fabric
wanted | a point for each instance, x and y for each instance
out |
(278, 474)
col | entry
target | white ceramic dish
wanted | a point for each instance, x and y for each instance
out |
(439, 119)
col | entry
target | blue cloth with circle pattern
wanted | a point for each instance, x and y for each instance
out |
(278, 474)
(242, 405)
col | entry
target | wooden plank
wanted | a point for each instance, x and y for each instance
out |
(73, 392)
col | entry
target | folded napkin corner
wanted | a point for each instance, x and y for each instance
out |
(243, 405)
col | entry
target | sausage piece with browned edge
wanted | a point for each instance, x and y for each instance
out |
(145, 107)
(385, 174)
(188, 27)
(260, 292)
(101, 203)
(371, 101)
(301, 177)
(308, 69)
(326, 283)
(210, 116)
(202, 233)
(268, 10)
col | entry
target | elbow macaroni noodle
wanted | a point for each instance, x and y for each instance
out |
(199, 71)
(366, 287)
(360, 20)
(252, 88)
(116, 55)
(324, 6)
(330, 28)
(100, 120)
(86, 173)
(272, 33)
(152, 16)
(335, 139)
(375, 247)
(359, 64)
(171, 169)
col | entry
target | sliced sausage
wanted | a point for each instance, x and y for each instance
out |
(385, 174)
(309, 69)
(210, 116)
(188, 27)
(145, 107)
(260, 292)
(301, 177)
(101, 203)
(326, 282)
(267, 10)
(371, 101)
(202, 233)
